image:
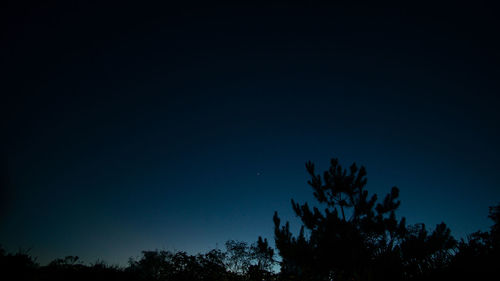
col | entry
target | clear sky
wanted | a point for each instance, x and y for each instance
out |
(129, 128)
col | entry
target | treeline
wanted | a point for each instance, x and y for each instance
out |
(357, 237)
(238, 262)
(353, 237)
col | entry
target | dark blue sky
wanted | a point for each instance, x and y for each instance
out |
(130, 128)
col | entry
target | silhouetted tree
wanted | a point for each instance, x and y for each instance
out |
(180, 266)
(212, 266)
(478, 256)
(263, 254)
(238, 257)
(18, 266)
(354, 238)
(494, 215)
(67, 261)
(153, 265)
(424, 255)
(263, 260)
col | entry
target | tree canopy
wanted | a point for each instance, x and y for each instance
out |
(355, 237)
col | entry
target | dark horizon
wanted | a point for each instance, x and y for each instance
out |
(129, 128)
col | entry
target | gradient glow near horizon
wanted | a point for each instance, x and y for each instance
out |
(180, 129)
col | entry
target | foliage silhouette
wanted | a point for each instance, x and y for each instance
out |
(238, 256)
(239, 262)
(263, 254)
(356, 238)
(478, 256)
(21, 265)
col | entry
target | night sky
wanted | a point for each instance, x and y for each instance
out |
(128, 128)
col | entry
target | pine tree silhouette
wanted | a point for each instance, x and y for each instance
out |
(354, 237)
